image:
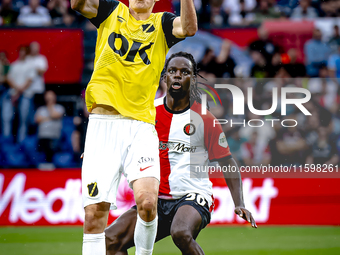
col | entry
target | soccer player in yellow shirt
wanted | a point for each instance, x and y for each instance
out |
(132, 44)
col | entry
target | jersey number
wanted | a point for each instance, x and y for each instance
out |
(199, 199)
(125, 48)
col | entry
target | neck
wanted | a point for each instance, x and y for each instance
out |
(140, 15)
(177, 104)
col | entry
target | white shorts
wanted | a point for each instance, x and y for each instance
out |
(114, 145)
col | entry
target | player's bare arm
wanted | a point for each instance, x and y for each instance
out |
(87, 8)
(186, 24)
(234, 182)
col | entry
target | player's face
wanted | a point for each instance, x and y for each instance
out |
(179, 76)
(141, 6)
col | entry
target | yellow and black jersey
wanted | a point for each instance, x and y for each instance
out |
(130, 56)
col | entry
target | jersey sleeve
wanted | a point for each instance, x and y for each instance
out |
(215, 140)
(106, 7)
(167, 25)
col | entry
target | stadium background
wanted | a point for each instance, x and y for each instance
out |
(258, 44)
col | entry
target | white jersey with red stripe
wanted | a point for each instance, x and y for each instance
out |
(188, 140)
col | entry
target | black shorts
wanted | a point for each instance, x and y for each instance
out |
(167, 209)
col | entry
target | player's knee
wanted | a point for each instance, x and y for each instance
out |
(93, 222)
(181, 237)
(147, 206)
(113, 243)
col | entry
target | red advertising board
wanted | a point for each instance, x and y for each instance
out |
(290, 34)
(285, 34)
(160, 6)
(33, 197)
(63, 49)
(241, 36)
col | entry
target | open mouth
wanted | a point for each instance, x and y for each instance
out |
(176, 85)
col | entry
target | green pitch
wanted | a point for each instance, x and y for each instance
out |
(214, 240)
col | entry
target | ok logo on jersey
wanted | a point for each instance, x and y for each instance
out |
(131, 52)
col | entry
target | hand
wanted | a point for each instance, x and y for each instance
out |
(246, 215)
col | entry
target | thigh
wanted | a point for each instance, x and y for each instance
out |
(103, 155)
(187, 218)
(142, 159)
(191, 213)
(96, 216)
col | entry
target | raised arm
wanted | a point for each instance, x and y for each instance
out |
(234, 182)
(87, 8)
(186, 24)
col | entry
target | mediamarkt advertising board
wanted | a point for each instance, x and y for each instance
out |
(33, 197)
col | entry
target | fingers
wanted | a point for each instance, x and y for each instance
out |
(250, 219)
(246, 215)
(252, 222)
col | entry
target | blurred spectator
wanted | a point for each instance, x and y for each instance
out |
(214, 15)
(324, 90)
(291, 146)
(330, 8)
(205, 66)
(286, 6)
(265, 11)
(263, 45)
(276, 64)
(224, 63)
(8, 16)
(20, 77)
(34, 15)
(334, 64)
(4, 68)
(293, 68)
(222, 66)
(334, 42)
(260, 68)
(235, 142)
(264, 134)
(304, 11)
(324, 150)
(176, 5)
(239, 11)
(60, 12)
(49, 119)
(262, 52)
(316, 53)
(39, 63)
(78, 135)
(254, 153)
(312, 125)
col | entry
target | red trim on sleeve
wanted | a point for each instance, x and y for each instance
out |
(212, 135)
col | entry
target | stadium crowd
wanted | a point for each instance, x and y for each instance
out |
(36, 130)
(211, 13)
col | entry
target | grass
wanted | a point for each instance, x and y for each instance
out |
(214, 241)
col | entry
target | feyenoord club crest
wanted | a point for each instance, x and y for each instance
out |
(189, 129)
